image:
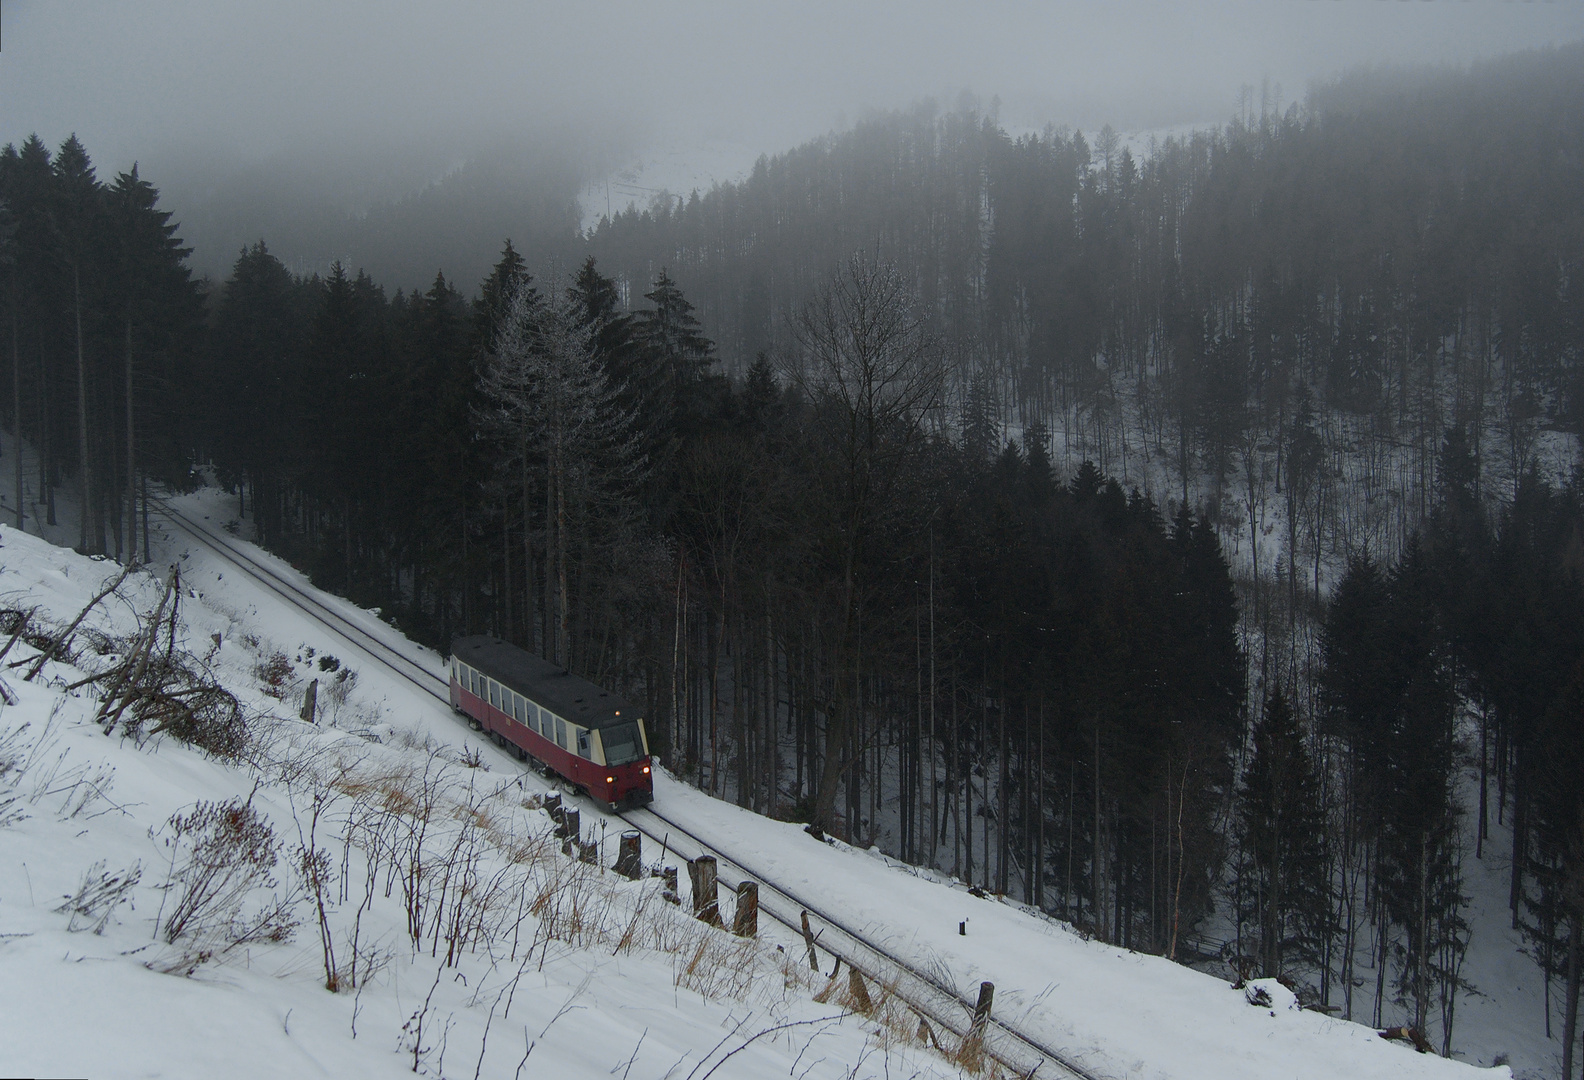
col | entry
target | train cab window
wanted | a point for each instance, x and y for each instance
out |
(583, 743)
(622, 743)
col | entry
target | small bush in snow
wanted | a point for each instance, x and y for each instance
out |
(99, 895)
(221, 855)
(13, 763)
(276, 675)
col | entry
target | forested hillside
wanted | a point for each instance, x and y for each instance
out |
(1155, 539)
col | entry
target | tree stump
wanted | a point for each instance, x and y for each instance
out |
(745, 922)
(702, 874)
(310, 703)
(570, 829)
(629, 857)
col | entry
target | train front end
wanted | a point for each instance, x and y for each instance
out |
(629, 776)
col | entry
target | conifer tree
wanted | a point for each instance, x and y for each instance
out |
(78, 204)
(160, 313)
(545, 386)
(509, 277)
(1283, 883)
(678, 354)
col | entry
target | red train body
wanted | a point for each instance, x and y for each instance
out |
(590, 736)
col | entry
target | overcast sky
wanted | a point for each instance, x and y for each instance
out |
(394, 90)
(136, 78)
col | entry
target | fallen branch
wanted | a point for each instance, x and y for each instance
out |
(1408, 1034)
(49, 653)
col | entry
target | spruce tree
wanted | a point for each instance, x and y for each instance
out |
(1282, 881)
(78, 204)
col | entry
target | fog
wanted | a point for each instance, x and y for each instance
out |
(280, 120)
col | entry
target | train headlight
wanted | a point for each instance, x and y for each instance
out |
(610, 779)
(646, 770)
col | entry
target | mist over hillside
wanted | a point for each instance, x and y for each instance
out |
(1183, 535)
(401, 215)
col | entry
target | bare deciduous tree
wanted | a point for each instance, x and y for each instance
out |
(869, 361)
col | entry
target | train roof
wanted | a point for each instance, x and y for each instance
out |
(550, 685)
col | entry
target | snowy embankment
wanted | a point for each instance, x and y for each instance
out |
(461, 940)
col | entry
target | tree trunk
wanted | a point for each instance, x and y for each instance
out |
(530, 621)
(506, 585)
(85, 483)
(1003, 811)
(1570, 1017)
(131, 461)
(16, 401)
(46, 461)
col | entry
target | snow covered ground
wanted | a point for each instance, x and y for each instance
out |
(583, 972)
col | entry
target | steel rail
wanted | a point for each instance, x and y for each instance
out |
(404, 666)
(930, 982)
(306, 602)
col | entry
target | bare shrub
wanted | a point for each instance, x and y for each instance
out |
(99, 895)
(85, 787)
(13, 764)
(339, 689)
(231, 852)
(276, 675)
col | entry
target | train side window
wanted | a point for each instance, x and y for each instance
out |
(561, 736)
(583, 743)
(517, 708)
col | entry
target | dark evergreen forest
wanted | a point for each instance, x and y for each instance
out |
(1183, 542)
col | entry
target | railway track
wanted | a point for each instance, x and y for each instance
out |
(927, 993)
(405, 666)
(924, 991)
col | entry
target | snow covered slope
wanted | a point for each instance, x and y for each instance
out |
(464, 942)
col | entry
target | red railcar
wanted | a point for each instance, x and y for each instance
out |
(588, 735)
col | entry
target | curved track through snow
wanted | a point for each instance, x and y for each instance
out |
(927, 993)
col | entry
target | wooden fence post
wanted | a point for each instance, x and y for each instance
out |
(745, 923)
(629, 857)
(857, 993)
(702, 873)
(808, 939)
(973, 1042)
